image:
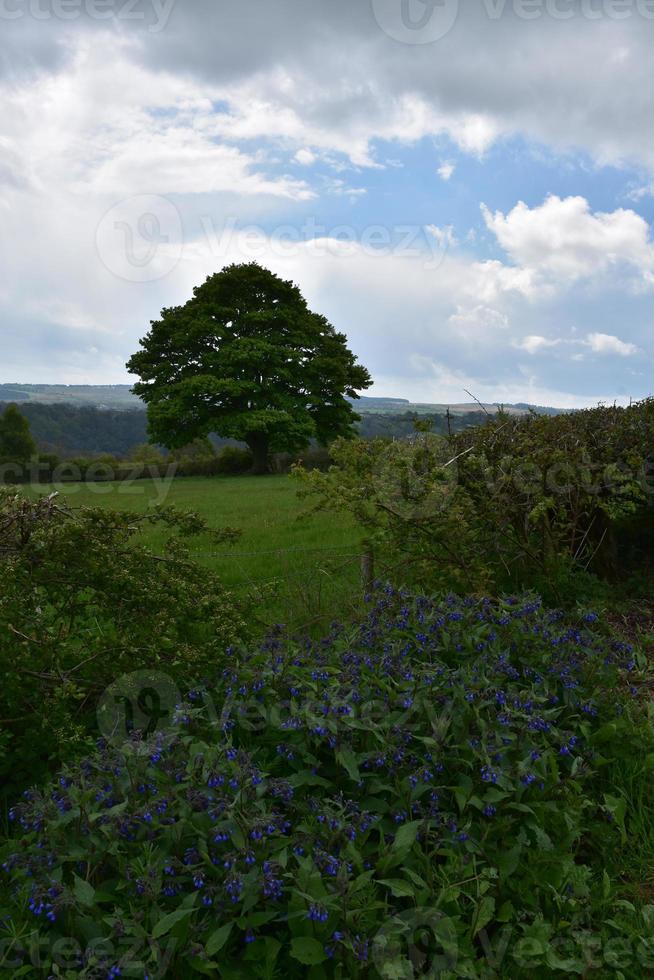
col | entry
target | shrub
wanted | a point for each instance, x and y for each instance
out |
(311, 459)
(552, 488)
(437, 769)
(407, 497)
(515, 502)
(233, 461)
(81, 601)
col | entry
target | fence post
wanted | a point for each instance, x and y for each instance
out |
(367, 567)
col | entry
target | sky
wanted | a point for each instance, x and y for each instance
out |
(466, 189)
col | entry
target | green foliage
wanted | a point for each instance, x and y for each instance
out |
(82, 601)
(234, 461)
(407, 496)
(16, 442)
(430, 786)
(558, 488)
(246, 358)
(541, 500)
(74, 429)
(199, 450)
(71, 429)
(147, 454)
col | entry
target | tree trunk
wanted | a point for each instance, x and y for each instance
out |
(258, 446)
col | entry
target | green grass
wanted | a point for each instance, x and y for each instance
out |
(297, 568)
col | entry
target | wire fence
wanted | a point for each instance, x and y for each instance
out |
(307, 585)
(272, 551)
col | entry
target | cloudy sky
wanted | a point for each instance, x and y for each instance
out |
(466, 189)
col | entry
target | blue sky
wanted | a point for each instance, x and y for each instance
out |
(472, 201)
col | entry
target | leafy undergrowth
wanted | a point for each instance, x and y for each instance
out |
(446, 787)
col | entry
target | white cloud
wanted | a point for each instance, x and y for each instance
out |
(562, 241)
(479, 318)
(604, 343)
(446, 170)
(305, 157)
(149, 135)
(534, 343)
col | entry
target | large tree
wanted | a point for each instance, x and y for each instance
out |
(246, 358)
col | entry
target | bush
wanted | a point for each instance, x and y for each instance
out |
(233, 461)
(436, 770)
(82, 601)
(311, 459)
(406, 495)
(516, 502)
(552, 488)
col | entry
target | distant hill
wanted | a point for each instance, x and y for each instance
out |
(120, 398)
(117, 397)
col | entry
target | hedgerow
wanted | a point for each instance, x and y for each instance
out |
(428, 785)
(542, 501)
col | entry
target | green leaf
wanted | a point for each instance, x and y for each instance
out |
(348, 760)
(406, 835)
(398, 887)
(606, 885)
(485, 911)
(616, 806)
(507, 862)
(84, 891)
(217, 939)
(206, 967)
(256, 919)
(308, 951)
(166, 923)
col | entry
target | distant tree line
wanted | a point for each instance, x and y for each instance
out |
(71, 430)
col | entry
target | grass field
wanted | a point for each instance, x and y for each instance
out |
(297, 568)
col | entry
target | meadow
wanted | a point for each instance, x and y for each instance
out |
(297, 567)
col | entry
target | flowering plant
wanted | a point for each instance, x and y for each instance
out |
(438, 768)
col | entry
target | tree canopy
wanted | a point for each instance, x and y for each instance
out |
(246, 358)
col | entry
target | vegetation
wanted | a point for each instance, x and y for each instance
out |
(72, 431)
(450, 779)
(288, 566)
(544, 501)
(246, 358)
(80, 603)
(16, 442)
(442, 768)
